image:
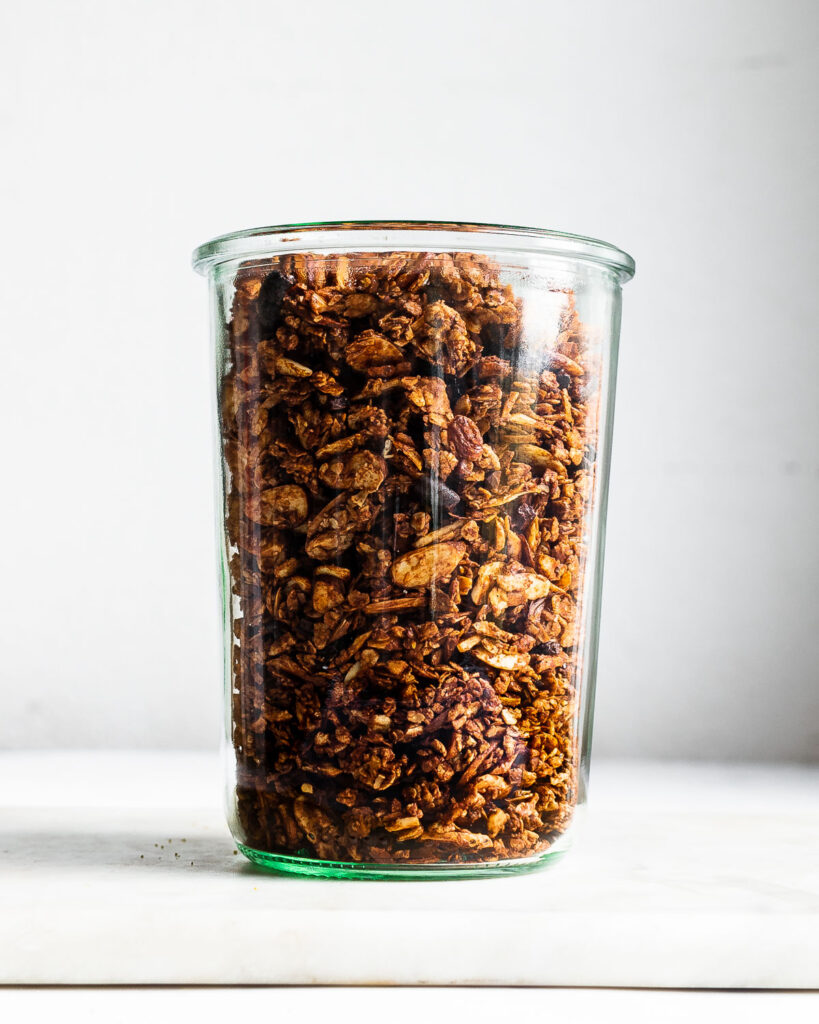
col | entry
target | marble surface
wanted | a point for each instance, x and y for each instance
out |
(117, 868)
(132, 1005)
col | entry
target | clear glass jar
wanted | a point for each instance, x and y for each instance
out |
(414, 434)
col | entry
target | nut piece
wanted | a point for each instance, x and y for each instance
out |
(290, 368)
(424, 566)
(524, 582)
(429, 395)
(444, 340)
(282, 506)
(371, 349)
(363, 471)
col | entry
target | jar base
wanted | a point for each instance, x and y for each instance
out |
(306, 866)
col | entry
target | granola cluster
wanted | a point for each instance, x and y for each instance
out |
(406, 497)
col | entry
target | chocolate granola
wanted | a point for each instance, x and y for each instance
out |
(406, 499)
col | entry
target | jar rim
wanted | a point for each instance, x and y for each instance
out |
(385, 235)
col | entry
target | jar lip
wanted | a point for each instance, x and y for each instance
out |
(385, 235)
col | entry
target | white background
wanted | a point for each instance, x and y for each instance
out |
(683, 132)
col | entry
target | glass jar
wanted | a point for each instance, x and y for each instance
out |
(414, 435)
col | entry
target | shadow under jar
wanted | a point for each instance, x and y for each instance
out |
(414, 431)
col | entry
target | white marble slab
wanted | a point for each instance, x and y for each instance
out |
(117, 868)
(353, 1004)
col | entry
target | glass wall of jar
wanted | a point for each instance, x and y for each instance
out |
(414, 423)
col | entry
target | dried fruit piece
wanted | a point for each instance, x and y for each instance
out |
(465, 438)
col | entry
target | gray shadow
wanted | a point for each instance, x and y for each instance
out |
(127, 851)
